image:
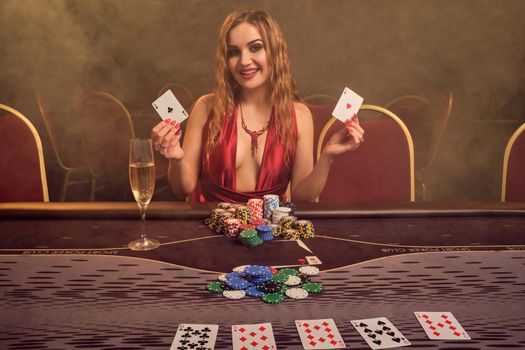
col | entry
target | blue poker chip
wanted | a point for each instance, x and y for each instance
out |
(257, 270)
(235, 275)
(237, 283)
(254, 292)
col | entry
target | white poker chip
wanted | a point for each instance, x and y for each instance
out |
(234, 294)
(293, 280)
(222, 277)
(309, 270)
(240, 268)
(297, 293)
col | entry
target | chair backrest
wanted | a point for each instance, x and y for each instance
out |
(67, 147)
(106, 131)
(22, 168)
(181, 93)
(321, 107)
(513, 180)
(380, 170)
(426, 122)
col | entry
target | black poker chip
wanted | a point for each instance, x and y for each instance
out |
(224, 286)
(304, 278)
(288, 205)
(269, 287)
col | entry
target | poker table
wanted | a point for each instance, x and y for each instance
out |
(68, 280)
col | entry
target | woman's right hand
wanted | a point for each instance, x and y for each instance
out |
(165, 138)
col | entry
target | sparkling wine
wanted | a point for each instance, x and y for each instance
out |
(142, 180)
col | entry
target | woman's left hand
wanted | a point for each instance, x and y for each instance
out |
(346, 139)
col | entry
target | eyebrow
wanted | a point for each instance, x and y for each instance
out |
(250, 43)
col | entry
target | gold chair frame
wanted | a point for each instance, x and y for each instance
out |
(508, 149)
(39, 147)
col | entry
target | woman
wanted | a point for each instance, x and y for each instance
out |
(251, 137)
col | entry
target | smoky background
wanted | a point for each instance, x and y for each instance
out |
(381, 49)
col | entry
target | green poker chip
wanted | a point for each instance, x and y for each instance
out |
(215, 287)
(288, 272)
(273, 298)
(312, 287)
(280, 278)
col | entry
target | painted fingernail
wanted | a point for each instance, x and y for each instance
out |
(179, 133)
(174, 122)
(167, 120)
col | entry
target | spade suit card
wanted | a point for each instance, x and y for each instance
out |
(380, 333)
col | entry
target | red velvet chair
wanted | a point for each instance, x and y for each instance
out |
(513, 181)
(427, 123)
(181, 93)
(321, 107)
(68, 149)
(22, 165)
(380, 170)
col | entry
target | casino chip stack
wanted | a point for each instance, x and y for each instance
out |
(305, 228)
(257, 207)
(265, 232)
(267, 283)
(271, 202)
(250, 238)
(279, 213)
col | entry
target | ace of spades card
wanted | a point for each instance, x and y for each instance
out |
(319, 334)
(195, 337)
(380, 333)
(253, 337)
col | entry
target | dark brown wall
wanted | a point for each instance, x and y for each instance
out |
(380, 48)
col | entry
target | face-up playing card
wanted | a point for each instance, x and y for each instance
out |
(195, 337)
(313, 260)
(441, 325)
(348, 105)
(167, 106)
(380, 333)
(319, 334)
(253, 336)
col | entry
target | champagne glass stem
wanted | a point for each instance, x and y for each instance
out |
(143, 223)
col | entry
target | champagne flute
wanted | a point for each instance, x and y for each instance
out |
(142, 181)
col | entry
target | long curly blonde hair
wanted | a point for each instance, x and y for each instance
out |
(227, 90)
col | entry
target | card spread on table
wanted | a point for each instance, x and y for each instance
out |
(167, 106)
(380, 333)
(195, 336)
(348, 105)
(253, 336)
(319, 334)
(441, 325)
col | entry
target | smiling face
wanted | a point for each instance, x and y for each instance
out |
(246, 57)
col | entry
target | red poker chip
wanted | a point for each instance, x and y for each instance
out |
(301, 261)
(274, 270)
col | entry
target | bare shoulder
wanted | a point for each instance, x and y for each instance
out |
(304, 118)
(202, 108)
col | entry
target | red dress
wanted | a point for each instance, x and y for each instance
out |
(218, 180)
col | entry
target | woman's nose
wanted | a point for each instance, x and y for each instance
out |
(246, 58)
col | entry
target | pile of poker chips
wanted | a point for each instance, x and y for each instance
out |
(232, 219)
(267, 283)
